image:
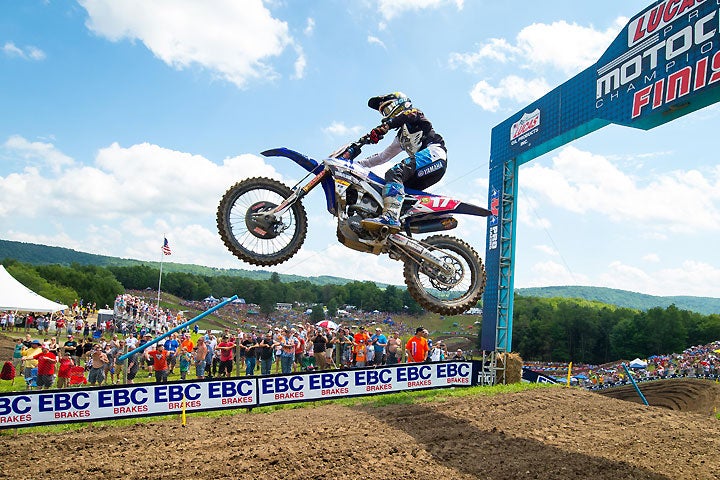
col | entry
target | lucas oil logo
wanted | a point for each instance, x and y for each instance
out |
(656, 18)
(526, 126)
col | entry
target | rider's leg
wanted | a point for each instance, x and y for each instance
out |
(393, 194)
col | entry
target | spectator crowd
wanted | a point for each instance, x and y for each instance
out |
(701, 361)
(90, 351)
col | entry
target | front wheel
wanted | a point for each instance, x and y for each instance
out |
(450, 291)
(248, 229)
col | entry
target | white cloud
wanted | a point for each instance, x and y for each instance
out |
(512, 87)
(528, 213)
(690, 278)
(552, 273)
(46, 153)
(393, 8)
(376, 41)
(235, 40)
(309, 26)
(651, 258)
(582, 182)
(345, 263)
(547, 250)
(495, 50)
(560, 45)
(124, 202)
(300, 64)
(339, 129)
(26, 53)
(567, 46)
(124, 181)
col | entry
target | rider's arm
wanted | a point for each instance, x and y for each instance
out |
(379, 158)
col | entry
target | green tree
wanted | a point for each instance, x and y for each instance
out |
(318, 313)
(29, 277)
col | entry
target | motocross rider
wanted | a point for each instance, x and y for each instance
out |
(424, 166)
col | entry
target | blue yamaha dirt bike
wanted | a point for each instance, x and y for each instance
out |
(263, 222)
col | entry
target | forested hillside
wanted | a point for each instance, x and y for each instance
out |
(623, 298)
(35, 254)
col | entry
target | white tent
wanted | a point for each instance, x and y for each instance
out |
(637, 363)
(14, 296)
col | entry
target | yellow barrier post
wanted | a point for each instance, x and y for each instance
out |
(183, 416)
(569, 374)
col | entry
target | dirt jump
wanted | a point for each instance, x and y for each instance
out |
(554, 433)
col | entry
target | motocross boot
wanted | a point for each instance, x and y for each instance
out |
(393, 195)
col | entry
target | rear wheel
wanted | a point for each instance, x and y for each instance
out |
(256, 238)
(450, 291)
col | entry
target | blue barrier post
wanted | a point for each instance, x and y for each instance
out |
(179, 327)
(637, 389)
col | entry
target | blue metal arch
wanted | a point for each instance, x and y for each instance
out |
(650, 75)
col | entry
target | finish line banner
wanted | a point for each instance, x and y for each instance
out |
(44, 407)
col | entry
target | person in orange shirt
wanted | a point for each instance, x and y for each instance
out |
(160, 362)
(187, 342)
(361, 336)
(417, 347)
(360, 354)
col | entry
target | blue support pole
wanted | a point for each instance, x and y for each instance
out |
(637, 389)
(180, 327)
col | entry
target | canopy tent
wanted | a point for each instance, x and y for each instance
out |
(16, 297)
(637, 363)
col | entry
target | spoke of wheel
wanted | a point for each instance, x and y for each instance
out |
(459, 290)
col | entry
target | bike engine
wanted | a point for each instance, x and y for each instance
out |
(361, 203)
(358, 205)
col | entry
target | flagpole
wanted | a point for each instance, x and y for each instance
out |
(157, 305)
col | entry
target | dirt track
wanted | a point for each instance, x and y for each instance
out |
(685, 395)
(545, 434)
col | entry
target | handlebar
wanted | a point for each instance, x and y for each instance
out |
(354, 149)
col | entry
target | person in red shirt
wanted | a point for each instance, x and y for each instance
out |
(299, 351)
(160, 362)
(45, 367)
(66, 363)
(417, 347)
(226, 348)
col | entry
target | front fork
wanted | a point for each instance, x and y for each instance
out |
(297, 194)
(419, 253)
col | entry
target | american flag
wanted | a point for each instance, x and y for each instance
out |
(166, 248)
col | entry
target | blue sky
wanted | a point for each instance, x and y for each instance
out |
(123, 121)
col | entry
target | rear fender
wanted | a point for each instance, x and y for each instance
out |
(435, 204)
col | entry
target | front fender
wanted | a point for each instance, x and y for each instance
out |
(303, 160)
(312, 166)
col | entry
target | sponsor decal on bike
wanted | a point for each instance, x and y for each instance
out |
(436, 204)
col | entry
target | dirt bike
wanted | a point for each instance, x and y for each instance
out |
(263, 222)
